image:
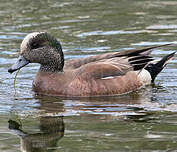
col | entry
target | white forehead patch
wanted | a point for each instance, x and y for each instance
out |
(26, 40)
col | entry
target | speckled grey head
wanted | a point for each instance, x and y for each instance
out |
(42, 48)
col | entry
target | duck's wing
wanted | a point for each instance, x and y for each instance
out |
(103, 69)
(112, 67)
(114, 76)
(76, 63)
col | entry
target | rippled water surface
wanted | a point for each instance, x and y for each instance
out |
(145, 120)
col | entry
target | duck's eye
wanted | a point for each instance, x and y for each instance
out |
(35, 45)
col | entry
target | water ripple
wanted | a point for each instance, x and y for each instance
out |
(94, 33)
(161, 27)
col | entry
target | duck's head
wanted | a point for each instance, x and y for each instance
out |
(42, 48)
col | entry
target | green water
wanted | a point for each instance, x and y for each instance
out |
(145, 120)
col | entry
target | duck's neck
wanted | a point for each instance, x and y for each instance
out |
(53, 66)
(50, 69)
(56, 59)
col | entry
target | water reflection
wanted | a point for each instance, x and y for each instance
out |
(132, 117)
(141, 102)
(114, 105)
(51, 130)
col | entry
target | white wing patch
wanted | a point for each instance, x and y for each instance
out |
(110, 77)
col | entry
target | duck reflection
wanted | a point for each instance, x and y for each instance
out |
(51, 131)
(108, 105)
(131, 107)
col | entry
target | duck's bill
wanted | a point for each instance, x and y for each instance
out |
(21, 62)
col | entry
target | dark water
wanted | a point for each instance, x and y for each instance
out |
(145, 120)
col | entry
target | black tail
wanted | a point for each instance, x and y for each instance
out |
(155, 68)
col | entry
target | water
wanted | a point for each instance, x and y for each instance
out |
(145, 120)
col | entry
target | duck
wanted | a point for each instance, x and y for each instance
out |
(107, 74)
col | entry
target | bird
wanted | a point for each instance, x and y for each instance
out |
(107, 74)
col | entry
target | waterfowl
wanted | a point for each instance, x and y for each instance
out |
(99, 75)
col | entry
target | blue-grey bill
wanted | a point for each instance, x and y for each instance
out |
(21, 62)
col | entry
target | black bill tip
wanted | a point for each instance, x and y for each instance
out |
(10, 70)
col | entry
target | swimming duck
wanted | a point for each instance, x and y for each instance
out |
(99, 75)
